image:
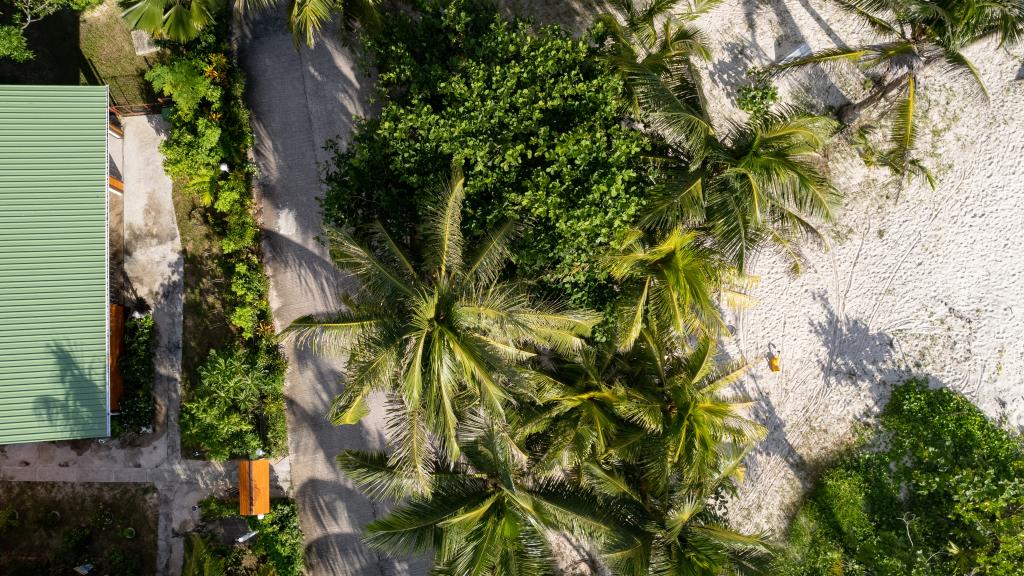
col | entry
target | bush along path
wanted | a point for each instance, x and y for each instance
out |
(233, 373)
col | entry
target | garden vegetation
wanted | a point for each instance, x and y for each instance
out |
(234, 405)
(277, 548)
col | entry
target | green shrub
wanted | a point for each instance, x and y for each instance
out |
(235, 407)
(136, 364)
(237, 399)
(278, 542)
(939, 492)
(757, 97)
(13, 44)
(533, 116)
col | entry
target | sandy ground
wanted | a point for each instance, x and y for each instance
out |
(913, 283)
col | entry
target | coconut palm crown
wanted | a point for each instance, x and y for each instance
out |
(178, 20)
(914, 36)
(763, 182)
(653, 45)
(437, 334)
(487, 514)
(306, 18)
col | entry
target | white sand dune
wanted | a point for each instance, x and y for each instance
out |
(914, 282)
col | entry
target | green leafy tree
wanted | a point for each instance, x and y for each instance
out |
(486, 514)
(236, 407)
(13, 44)
(435, 333)
(915, 36)
(537, 119)
(177, 20)
(764, 181)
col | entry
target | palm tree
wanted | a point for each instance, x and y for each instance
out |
(916, 35)
(486, 513)
(306, 18)
(178, 20)
(438, 336)
(658, 440)
(654, 52)
(677, 531)
(763, 181)
(671, 282)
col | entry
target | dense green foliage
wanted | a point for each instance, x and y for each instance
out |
(136, 364)
(278, 545)
(237, 407)
(938, 491)
(533, 117)
(13, 44)
(757, 97)
(210, 126)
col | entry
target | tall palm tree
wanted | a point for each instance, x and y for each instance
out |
(178, 20)
(763, 181)
(916, 35)
(306, 18)
(670, 281)
(653, 45)
(438, 334)
(677, 531)
(486, 513)
(669, 441)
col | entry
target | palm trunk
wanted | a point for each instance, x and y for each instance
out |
(850, 112)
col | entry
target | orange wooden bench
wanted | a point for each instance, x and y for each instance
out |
(254, 487)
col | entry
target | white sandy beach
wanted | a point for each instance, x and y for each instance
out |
(920, 282)
(927, 283)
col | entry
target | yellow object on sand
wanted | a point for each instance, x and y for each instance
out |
(773, 363)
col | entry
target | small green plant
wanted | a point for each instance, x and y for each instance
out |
(128, 533)
(136, 364)
(278, 543)
(757, 97)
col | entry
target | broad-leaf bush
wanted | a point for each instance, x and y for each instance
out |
(227, 412)
(533, 116)
(938, 491)
(136, 365)
(236, 407)
(278, 544)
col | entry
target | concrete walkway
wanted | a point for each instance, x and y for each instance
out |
(300, 99)
(153, 270)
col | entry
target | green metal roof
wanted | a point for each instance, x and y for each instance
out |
(53, 263)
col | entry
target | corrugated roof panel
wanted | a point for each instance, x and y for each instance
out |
(53, 263)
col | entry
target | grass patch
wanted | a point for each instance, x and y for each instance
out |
(109, 57)
(48, 528)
